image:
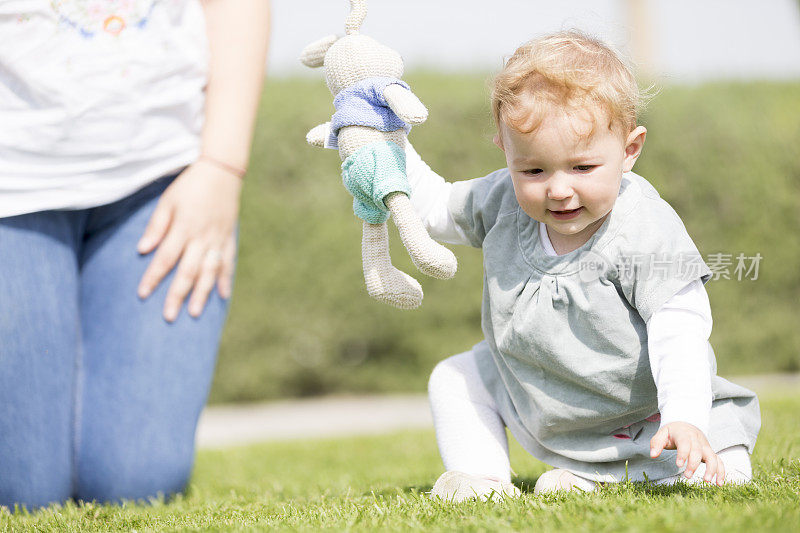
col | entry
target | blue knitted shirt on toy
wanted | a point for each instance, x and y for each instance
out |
(363, 104)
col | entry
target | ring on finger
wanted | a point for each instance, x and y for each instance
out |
(214, 257)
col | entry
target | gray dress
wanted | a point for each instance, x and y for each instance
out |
(565, 354)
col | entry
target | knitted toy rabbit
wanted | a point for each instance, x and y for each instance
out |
(374, 112)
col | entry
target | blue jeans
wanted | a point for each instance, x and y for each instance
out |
(99, 395)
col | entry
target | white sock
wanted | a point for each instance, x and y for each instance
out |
(470, 433)
(738, 469)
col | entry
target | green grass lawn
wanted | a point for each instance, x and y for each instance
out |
(372, 483)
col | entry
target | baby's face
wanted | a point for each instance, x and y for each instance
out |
(567, 180)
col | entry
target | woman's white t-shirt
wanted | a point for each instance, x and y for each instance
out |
(97, 98)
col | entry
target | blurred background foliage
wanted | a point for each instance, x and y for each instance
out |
(724, 155)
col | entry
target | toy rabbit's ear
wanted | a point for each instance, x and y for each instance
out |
(313, 55)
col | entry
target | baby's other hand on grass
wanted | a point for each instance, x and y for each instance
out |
(692, 446)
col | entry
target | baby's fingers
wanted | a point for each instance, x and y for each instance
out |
(720, 472)
(714, 466)
(712, 463)
(695, 457)
(659, 442)
(684, 447)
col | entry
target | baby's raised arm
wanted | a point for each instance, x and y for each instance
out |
(430, 194)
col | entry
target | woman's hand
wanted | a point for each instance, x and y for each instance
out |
(195, 218)
(193, 223)
(692, 446)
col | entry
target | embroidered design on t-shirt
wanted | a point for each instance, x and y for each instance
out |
(92, 17)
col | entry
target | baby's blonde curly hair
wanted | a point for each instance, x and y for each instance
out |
(569, 70)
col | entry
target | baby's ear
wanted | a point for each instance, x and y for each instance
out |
(313, 55)
(498, 141)
(633, 147)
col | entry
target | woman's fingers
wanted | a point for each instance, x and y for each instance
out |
(195, 214)
(225, 283)
(165, 258)
(205, 282)
(196, 273)
(156, 228)
(184, 280)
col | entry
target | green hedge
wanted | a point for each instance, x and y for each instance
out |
(724, 155)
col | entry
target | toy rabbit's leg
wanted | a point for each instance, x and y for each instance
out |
(384, 282)
(428, 255)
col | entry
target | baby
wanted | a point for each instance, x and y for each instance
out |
(596, 355)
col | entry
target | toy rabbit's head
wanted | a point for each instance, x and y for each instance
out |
(353, 57)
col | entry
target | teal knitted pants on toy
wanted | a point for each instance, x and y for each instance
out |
(372, 173)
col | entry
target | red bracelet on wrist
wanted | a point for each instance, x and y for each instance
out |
(236, 171)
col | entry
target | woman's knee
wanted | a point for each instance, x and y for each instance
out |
(35, 467)
(28, 493)
(126, 473)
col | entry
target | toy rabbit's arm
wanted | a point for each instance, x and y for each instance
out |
(405, 104)
(318, 134)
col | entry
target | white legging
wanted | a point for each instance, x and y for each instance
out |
(471, 434)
